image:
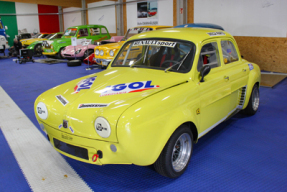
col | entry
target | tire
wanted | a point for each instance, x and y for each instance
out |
(73, 63)
(59, 56)
(20, 62)
(253, 102)
(38, 50)
(167, 163)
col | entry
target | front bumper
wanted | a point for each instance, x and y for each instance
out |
(103, 62)
(91, 145)
(49, 53)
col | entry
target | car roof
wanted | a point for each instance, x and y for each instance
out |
(153, 26)
(201, 25)
(195, 35)
(85, 26)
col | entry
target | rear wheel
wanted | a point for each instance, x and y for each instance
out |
(253, 103)
(73, 63)
(175, 156)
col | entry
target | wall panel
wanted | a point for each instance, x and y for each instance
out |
(72, 19)
(9, 21)
(103, 15)
(29, 22)
(268, 52)
(48, 23)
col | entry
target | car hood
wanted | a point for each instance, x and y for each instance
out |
(82, 100)
(111, 45)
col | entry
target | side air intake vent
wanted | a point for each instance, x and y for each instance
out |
(242, 95)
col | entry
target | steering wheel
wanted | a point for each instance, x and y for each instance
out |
(175, 62)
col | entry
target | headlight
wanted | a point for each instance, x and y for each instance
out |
(111, 53)
(101, 53)
(102, 127)
(42, 110)
(2, 39)
(78, 51)
(97, 52)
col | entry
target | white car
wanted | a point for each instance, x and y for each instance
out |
(3, 44)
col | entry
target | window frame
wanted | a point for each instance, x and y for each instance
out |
(235, 46)
(213, 40)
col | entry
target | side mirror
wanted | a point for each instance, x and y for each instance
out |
(6, 28)
(204, 71)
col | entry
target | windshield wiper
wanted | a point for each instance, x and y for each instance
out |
(179, 63)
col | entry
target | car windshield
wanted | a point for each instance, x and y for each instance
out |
(70, 32)
(134, 31)
(51, 35)
(37, 35)
(167, 54)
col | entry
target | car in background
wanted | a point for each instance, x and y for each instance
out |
(200, 25)
(3, 44)
(83, 51)
(26, 38)
(163, 91)
(152, 12)
(105, 53)
(94, 32)
(36, 44)
(3, 29)
(41, 37)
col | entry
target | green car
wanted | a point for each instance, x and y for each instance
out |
(36, 46)
(95, 32)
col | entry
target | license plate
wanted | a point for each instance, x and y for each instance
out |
(48, 50)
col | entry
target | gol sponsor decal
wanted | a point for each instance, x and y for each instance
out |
(92, 105)
(84, 84)
(128, 88)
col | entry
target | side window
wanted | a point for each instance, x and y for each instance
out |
(94, 31)
(209, 55)
(104, 31)
(229, 52)
(83, 32)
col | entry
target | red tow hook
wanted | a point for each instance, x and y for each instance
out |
(95, 157)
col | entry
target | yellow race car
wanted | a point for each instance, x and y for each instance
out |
(162, 92)
(40, 37)
(105, 53)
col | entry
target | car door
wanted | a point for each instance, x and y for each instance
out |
(215, 90)
(237, 72)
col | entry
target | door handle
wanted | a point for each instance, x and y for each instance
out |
(226, 78)
(244, 70)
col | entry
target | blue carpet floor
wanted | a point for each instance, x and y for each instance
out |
(241, 154)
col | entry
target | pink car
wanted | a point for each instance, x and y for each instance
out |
(83, 51)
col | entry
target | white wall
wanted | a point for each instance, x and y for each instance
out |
(165, 13)
(265, 18)
(103, 15)
(72, 19)
(29, 22)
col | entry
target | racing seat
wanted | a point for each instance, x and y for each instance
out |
(165, 54)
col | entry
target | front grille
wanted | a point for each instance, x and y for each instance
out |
(67, 54)
(71, 149)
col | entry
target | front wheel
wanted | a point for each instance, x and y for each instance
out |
(38, 50)
(176, 154)
(253, 103)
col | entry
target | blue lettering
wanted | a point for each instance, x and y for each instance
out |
(136, 85)
(148, 85)
(119, 87)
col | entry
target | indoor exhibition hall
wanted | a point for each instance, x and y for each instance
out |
(143, 95)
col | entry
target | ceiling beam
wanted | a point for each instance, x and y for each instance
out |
(92, 1)
(63, 3)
